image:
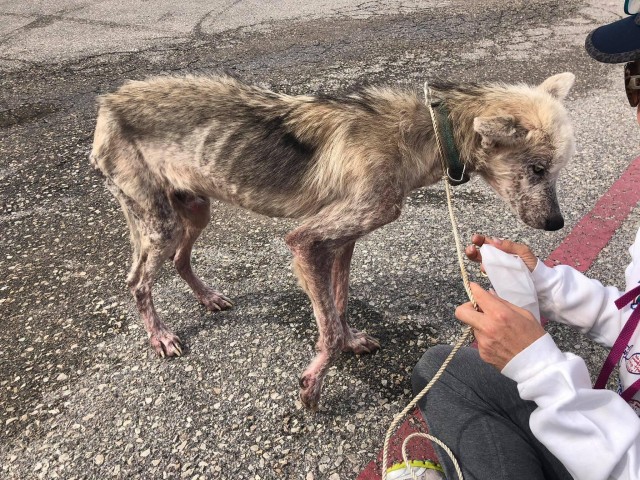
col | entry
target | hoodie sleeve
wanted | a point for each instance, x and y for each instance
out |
(594, 433)
(567, 296)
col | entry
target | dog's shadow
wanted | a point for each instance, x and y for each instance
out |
(403, 340)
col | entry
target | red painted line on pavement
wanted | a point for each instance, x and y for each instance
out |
(579, 249)
(587, 239)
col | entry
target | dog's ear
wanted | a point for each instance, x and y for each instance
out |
(558, 86)
(501, 129)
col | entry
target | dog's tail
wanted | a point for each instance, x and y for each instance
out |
(98, 137)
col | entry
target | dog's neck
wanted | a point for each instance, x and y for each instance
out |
(447, 148)
(463, 105)
(422, 149)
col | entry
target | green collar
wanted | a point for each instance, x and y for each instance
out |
(455, 168)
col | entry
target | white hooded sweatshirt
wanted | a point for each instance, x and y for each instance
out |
(594, 433)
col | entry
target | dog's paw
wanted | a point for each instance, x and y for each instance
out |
(359, 342)
(310, 389)
(214, 300)
(166, 344)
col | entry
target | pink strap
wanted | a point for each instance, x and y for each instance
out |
(628, 297)
(621, 342)
(631, 391)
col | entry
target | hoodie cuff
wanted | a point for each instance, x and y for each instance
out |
(543, 276)
(533, 359)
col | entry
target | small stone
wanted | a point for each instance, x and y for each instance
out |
(145, 453)
(61, 377)
(99, 460)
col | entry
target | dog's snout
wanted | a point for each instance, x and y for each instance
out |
(554, 223)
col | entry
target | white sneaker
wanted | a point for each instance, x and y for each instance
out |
(421, 470)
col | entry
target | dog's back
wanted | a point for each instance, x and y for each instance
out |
(275, 154)
(212, 136)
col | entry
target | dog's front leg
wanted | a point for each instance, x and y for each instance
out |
(354, 340)
(316, 246)
(195, 212)
(312, 265)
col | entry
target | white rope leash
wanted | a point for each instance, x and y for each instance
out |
(464, 337)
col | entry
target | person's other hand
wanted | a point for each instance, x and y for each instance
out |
(519, 249)
(502, 329)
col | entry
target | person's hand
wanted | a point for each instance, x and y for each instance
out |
(502, 329)
(519, 249)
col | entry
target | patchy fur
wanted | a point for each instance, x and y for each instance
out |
(342, 166)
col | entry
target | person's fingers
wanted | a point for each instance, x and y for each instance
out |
(514, 248)
(487, 301)
(507, 245)
(466, 313)
(473, 253)
(490, 302)
(478, 239)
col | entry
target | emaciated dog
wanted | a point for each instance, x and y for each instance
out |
(341, 165)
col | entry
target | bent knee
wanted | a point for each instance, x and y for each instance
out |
(465, 359)
(428, 365)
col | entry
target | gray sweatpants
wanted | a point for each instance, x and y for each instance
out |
(477, 412)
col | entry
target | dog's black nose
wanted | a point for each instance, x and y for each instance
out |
(554, 223)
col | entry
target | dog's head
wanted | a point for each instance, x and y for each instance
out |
(523, 143)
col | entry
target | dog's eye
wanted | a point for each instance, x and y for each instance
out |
(538, 169)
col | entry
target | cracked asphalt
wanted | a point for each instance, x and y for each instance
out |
(81, 395)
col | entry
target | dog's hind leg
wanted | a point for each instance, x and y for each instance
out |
(194, 212)
(160, 231)
(355, 341)
(155, 234)
(316, 246)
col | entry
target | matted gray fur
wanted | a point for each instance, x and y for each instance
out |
(342, 166)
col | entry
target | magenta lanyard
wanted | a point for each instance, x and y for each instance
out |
(621, 344)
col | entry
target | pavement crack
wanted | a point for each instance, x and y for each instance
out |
(197, 29)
